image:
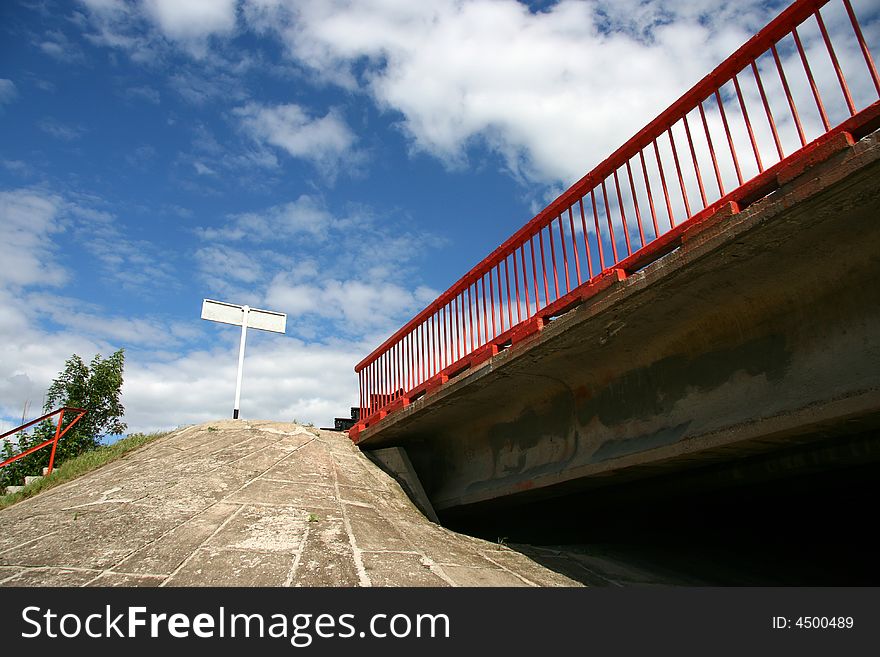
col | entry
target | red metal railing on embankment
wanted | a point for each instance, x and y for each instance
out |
(59, 433)
(807, 76)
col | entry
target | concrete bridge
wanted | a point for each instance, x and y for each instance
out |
(745, 333)
(759, 334)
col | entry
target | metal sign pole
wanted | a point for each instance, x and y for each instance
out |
(246, 317)
(244, 326)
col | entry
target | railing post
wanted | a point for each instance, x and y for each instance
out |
(55, 442)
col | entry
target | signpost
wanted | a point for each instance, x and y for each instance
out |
(245, 317)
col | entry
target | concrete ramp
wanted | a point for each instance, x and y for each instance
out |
(245, 503)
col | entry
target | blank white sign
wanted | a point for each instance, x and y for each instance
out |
(231, 313)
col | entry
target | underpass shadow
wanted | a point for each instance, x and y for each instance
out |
(811, 530)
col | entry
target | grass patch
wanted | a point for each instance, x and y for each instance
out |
(80, 465)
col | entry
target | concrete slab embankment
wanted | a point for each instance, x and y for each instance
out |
(239, 503)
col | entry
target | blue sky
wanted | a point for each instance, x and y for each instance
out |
(343, 162)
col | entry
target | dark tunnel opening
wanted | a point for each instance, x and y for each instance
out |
(703, 527)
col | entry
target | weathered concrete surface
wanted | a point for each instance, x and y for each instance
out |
(395, 462)
(245, 503)
(761, 331)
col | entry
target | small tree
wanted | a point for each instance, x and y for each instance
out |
(95, 387)
(15, 472)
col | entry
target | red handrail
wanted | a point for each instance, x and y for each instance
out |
(758, 106)
(52, 441)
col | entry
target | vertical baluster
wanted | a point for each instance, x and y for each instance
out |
(809, 72)
(866, 53)
(767, 110)
(788, 96)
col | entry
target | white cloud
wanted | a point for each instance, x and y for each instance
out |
(362, 305)
(119, 24)
(203, 169)
(551, 92)
(17, 166)
(284, 378)
(326, 141)
(249, 164)
(86, 319)
(228, 270)
(147, 28)
(8, 92)
(55, 128)
(45, 85)
(192, 19)
(131, 264)
(31, 357)
(105, 6)
(30, 220)
(55, 44)
(305, 216)
(457, 72)
(295, 258)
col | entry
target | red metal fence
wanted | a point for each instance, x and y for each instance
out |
(59, 433)
(805, 77)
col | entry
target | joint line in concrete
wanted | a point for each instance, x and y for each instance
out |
(199, 546)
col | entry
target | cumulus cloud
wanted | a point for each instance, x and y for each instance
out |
(192, 19)
(327, 141)
(552, 92)
(295, 258)
(31, 357)
(146, 29)
(106, 6)
(33, 219)
(304, 216)
(86, 319)
(284, 378)
(30, 220)
(365, 305)
(229, 270)
(119, 24)
(455, 73)
(55, 44)
(32, 284)
(134, 265)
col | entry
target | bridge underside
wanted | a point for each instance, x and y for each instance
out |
(759, 335)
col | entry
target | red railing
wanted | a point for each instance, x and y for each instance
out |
(787, 90)
(59, 433)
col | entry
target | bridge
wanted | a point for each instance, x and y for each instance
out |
(705, 296)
